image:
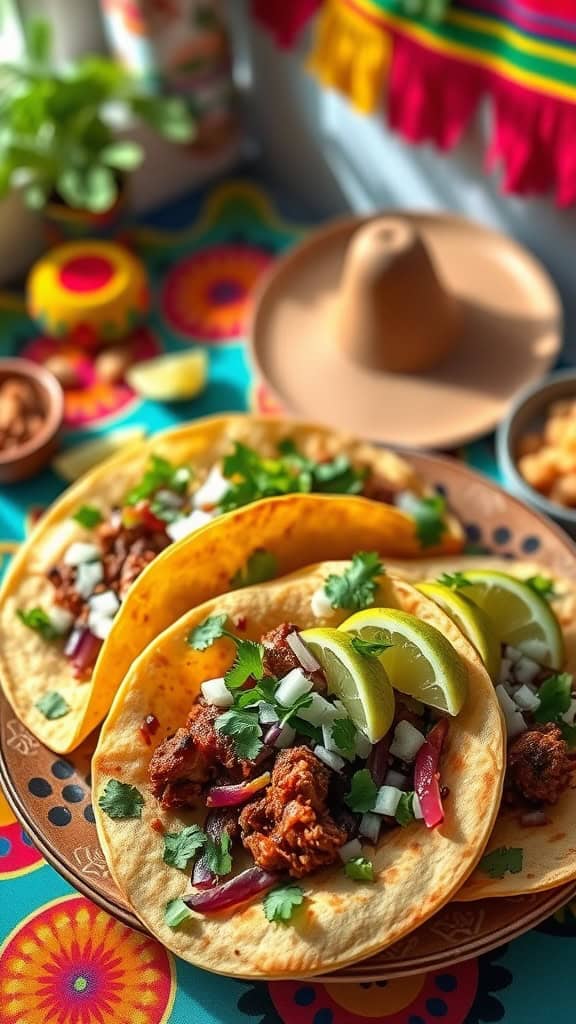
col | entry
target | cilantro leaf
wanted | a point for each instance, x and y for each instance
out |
(159, 473)
(356, 587)
(180, 847)
(249, 662)
(287, 715)
(264, 690)
(119, 800)
(175, 913)
(542, 585)
(454, 580)
(244, 729)
(505, 859)
(38, 620)
(281, 902)
(369, 648)
(363, 790)
(314, 732)
(405, 810)
(360, 869)
(344, 735)
(428, 515)
(262, 565)
(338, 477)
(568, 733)
(555, 695)
(204, 634)
(52, 705)
(88, 516)
(217, 855)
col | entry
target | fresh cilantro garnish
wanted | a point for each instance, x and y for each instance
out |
(314, 732)
(160, 473)
(360, 869)
(38, 620)
(175, 913)
(88, 516)
(165, 512)
(262, 565)
(356, 587)
(264, 690)
(363, 790)
(287, 715)
(281, 902)
(344, 735)
(217, 855)
(119, 800)
(244, 729)
(405, 810)
(369, 648)
(180, 847)
(454, 580)
(204, 635)
(568, 733)
(504, 859)
(542, 585)
(335, 476)
(52, 705)
(555, 695)
(249, 662)
(428, 515)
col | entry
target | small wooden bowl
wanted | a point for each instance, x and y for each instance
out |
(26, 459)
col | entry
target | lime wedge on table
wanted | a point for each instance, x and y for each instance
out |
(420, 660)
(520, 616)
(359, 682)
(170, 378)
(473, 622)
(76, 461)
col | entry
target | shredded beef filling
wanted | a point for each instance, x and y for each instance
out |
(279, 658)
(539, 768)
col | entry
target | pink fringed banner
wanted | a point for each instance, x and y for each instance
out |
(284, 19)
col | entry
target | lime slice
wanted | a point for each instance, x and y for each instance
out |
(473, 622)
(519, 615)
(170, 378)
(76, 461)
(360, 682)
(420, 660)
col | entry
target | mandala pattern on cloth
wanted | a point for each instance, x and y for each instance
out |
(71, 963)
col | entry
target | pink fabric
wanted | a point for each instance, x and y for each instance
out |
(284, 19)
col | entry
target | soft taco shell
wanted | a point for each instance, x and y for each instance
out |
(29, 666)
(418, 870)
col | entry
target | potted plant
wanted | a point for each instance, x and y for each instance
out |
(63, 139)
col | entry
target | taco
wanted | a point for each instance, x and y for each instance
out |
(532, 847)
(258, 810)
(72, 577)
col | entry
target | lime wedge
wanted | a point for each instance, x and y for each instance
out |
(360, 682)
(76, 461)
(519, 615)
(170, 378)
(420, 660)
(473, 622)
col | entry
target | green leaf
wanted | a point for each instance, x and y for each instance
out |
(262, 565)
(454, 580)
(542, 585)
(180, 847)
(249, 662)
(369, 648)
(568, 733)
(218, 858)
(160, 474)
(244, 729)
(209, 630)
(176, 912)
(555, 695)
(360, 869)
(88, 516)
(505, 859)
(100, 189)
(405, 810)
(120, 801)
(35, 197)
(264, 690)
(38, 40)
(363, 790)
(344, 735)
(301, 702)
(356, 587)
(52, 705)
(314, 732)
(123, 155)
(281, 902)
(38, 620)
(428, 515)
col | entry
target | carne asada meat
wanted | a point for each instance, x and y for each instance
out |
(538, 764)
(279, 658)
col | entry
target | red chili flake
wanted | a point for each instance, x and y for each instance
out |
(148, 728)
(240, 622)
(158, 826)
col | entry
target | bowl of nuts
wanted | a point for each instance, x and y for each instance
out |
(536, 447)
(31, 410)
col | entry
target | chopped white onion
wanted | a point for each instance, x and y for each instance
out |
(512, 653)
(416, 808)
(341, 708)
(329, 758)
(100, 625)
(393, 778)
(169, 498)
(526, 670)
(292, 686)
(387, 800)
(363, 746)
(285, 737)
(320, 710)
(81, 552)
(329, 742)
(60, 618)
(504, 672)
(506, 702)
(570, 714)
(182, 527)
(88, 576)
(320, 604)
(350, 850)
(370, 826)
(104, 604)
(406, 742)
(217, 693)
(526, 699)
(305, 657)
(534, 818)
(535, 649)
(515, 724)
(266, 713)
(213, 489)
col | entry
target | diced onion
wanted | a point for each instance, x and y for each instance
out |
(306, 659)
(506, 702)
(526, 699)
(363, 746)
(319, 711)
(526, 670)
(81, 552)
(292, 686)
(505, 671)
(88, 576)
(532, 818)
(106, 603)
(512, 653)
(212, 491)
(406, 741)
(350, 850)
(570, 714)
(182, 527)
(60, 618)
(285, 737)
(417, 810)
(100, 625)
(266, 713)
(329, 758)
(370, 826)
(217, 693)
(387, 800)
(535, 649)
(169, 498)
(329, 742)
(320, 604)
(396, 779)
(515, 724)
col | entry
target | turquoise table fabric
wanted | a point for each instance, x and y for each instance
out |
(62, 959)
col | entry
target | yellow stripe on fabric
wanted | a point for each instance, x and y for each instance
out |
(350, 54)
(511, 36)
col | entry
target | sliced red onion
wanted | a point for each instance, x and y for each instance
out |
(82, 649)
(272, 735)
(214, 826)
(370, 826)
(285, 737)
(426, 775)
(73, 641)
(232, 893)
(378, 761)
(298, 647)
(534, 818)
(350, 850)
(233, 796)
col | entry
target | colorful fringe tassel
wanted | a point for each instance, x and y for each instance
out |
(350, 54)
(284, 19)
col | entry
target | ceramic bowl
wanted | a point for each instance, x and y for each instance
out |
(26, 459)
(526, 414)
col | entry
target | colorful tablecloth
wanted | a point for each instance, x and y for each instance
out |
(62, 959)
